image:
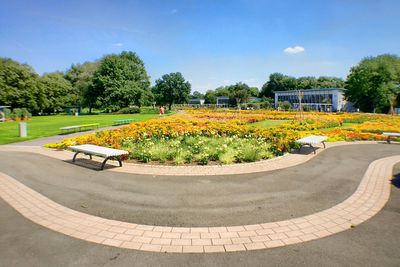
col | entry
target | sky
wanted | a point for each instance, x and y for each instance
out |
(211, 42)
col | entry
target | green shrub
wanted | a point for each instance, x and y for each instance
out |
(202, 158)
(248, 153)
(17, 113)
(228, 156)
(162, 152)
(7, 112)
(129, 110)
(199, 149)
(25, 114)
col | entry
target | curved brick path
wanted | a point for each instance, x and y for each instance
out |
(369, 198)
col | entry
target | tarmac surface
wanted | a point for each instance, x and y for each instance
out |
(320, 183)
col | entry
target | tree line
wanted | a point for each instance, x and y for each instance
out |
(114, 82)
(120, 80)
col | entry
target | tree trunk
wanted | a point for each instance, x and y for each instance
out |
(170, 106)
(238, 103)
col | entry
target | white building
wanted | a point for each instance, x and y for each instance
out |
(324, 99)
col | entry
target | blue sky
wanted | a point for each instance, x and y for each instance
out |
(212, 43)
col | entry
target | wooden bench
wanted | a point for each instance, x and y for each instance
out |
(311, 141)
(124, 121)
(390, 135)
(104, 152)
(79, 128)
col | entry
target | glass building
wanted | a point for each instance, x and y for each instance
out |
(324, 99)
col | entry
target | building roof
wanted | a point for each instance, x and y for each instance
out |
(311, 90)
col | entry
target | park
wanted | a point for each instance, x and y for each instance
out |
(165, 144)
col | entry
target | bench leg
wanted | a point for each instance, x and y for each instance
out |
(76, 154)
(104, 163)
(313, 148)
(120, 162)
(323, 142)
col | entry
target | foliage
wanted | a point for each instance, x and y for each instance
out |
(280, 82)
(373, 82)
(240, 92)
(120, 81)
(198, 149)
(129, 110)
(172, 89)
(19, 86)
(197, 95)
(210, 97)
(81, 76)
(59, 92)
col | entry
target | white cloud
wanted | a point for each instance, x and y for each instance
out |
(294, 50)
(118, 44)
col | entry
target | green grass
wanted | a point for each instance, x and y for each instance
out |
(42, 126)
(268, 123)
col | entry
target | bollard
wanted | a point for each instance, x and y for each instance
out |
(23, 130)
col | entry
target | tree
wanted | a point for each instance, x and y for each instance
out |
(19, 86)
(330, 82)
(374, 82)
(210, 97)
(278, 82)
(197, 95)
(306, 83)
(254, 92)
(120, 80)
(172, 89)
(59, 92)
(240, 92)
(81, 78)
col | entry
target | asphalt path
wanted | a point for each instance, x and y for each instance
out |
(315, 185)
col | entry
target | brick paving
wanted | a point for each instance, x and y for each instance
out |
(368, 199)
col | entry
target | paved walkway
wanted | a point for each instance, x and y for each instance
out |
(368, 199)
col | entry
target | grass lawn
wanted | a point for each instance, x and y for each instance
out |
(42, 126)
(268, 123)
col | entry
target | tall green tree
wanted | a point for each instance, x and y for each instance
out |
(254, 92)
(330, 82)
(119, 81)
(81, 78)
(210, 97)
(374, 83)
(58, 91)
(308, 82)
(197, 95)
(241, 92)
(19, 86)
(172, 89)
(278, 82)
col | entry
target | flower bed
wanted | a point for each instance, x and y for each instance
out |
(202, 136)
